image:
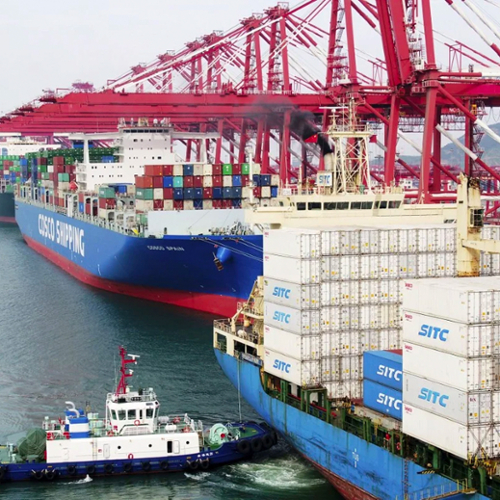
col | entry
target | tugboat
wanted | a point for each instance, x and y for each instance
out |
(132, 439)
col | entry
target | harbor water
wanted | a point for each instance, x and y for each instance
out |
(59, 342)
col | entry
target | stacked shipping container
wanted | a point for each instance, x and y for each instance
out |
(451, 337)
(203, 187)
(341, 294)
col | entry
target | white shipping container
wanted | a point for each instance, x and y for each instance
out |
(452, 437)
(380, 340)
(302, 373)
(188, 205)
(207, 181)
(408, 266)
(266, 192)
(298, 243)
(330, 369)
(50, 169)
(158, 194)
(144, 205)
(245, 192)
(453, 371)
(448, 336)
(198, 169)
(291, 269)
(275, 180)
(168, 204)
(301, 347)
(351, 367)
(274, 202)
(330, 319)
(292, 294)
(208, 170)
(178, 170)
(330, 293)
(208, 204)
(467, 408)
(293, 320)
(353, 389)
(465, 300)
(227, 181)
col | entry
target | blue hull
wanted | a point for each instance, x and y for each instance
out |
(176, 269)
(358, 469)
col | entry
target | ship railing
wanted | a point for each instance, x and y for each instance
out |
(436, 492)
(147, 396)
(223, 325)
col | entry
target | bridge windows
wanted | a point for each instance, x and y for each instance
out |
(314, 206)
(131, 415)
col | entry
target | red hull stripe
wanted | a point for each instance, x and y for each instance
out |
(7, 220)
(348, 490)
(214, 304)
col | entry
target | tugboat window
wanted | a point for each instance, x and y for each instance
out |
(314, 206)
(169, 446)
(329, 206)
(356, 205)
(301, 205)
(131, 415)
(149, 412)
(113, 414)
(122, 414)
(394, 204)
(383, 204)
(366, 205)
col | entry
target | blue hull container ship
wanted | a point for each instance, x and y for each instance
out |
(141, 223)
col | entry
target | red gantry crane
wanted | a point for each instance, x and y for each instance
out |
(246, 83)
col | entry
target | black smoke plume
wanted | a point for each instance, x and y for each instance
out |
(302, 123)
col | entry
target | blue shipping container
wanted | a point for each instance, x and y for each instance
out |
(383, 399)
(236, 180)
(217, 193)
(236, 203)
(81, 207)
(188, 169)
(198, 193)
(274, 191)
(168, 182)
(384, 367)
(178, 194)
(198, 204)
(236, 192)
(188, 194)
(256, 180)
(227, 193)
(265, 180)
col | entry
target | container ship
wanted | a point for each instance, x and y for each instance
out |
(141, 221)
(363, 348)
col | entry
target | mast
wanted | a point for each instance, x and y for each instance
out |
(125, 371)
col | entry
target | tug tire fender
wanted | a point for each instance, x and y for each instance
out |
(256, 444)
(243, 447)
(267, 442)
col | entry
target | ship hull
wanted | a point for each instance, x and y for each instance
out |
(177, 270)
(7, 210)
(359, 470)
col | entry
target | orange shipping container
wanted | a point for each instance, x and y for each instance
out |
(153, 170)
(144, 182)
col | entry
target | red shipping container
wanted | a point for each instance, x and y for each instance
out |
(51, 176)
(217, 181)
(207, 193)
(72, 177)
(168, 193)
(227, 203)
(245, 180)
(158, 182)
(198, 181)
(153, 170)
(157, 204)
(88, 209)
(217, 204)
(188, 181)
(257, 192)
(178, 204)
(236, 169)
(59, 169)
(217, 170)
(81, 197)
(144, 182)
(168, 170)
(107, 203)
(58, 160)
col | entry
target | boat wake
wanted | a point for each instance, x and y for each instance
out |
(85, 480)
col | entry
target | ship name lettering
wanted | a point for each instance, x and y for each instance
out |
(281, 292)
(282, 366)
(155, 247)
(70, 237)
(281, 317)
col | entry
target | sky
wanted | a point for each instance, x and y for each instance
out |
(49, 44)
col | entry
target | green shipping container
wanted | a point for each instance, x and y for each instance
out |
(245, 169)
(106, 192)
(65, 178)
(227, 169)
(142, 219)
(144, 194)
(178, 182)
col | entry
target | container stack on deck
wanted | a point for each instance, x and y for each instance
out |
(203, 187)
(12, 170)
(331, 295)
(451, 355)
